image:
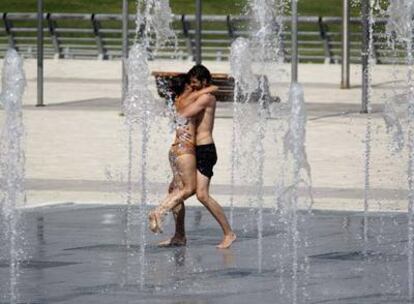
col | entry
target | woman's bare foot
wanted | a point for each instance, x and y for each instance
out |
(155, 221)
(175, 241)
(227, 241)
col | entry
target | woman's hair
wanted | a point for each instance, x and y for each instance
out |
(177, 84)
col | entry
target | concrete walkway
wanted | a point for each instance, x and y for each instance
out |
(76, 146)
(78, 254)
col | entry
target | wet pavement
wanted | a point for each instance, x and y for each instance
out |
(87, 254)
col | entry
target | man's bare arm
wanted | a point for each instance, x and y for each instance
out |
(196, 94)
(196, 107)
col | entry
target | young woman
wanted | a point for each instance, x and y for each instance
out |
(182, 152)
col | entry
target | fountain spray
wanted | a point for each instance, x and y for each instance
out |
(368, 57)
(295, 153)
(12, 161)
(400, 27)
(153, 25)
(265, 47)
(251, 102)
(299, 171)
(245, 83)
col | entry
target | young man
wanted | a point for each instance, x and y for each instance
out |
(203, 110)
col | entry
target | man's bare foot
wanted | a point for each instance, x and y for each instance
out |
(173, 242)
(227, 241)
(155, 221)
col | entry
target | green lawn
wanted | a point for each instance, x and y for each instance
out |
(306, 7)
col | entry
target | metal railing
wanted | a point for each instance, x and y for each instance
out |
(87, 36)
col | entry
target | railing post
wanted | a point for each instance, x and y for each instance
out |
(125, 45)
(186, 34)
(198, 31)
(294, 52)
(53, 34)
(374, 48)
(345, 66)
(230, 28)
(8, 28)
(282, 37)
(98, 37)
(325, 39)
(39, 53)
(365, 12)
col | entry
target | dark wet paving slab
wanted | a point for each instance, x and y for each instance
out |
(82, 254)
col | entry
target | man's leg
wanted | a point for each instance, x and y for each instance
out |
(179, 215)
(203, 195)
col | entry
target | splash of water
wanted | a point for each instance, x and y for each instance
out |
(266, 44)
(393, 127)
(138, 109)
(12, 161)
(153, 27)
(245, 83)
(399, 21)
(396, 109)
(139, 99)
(251, 101)
(400, 28)
(265, 27)
(154, 20)
(295, 152)
(367, 164)
(136, 106)
(294, 140)
(249, 111)
(241, 59)
(367, 74)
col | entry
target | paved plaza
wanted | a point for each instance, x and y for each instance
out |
(83, 245)
(82, 254)
(76, 144)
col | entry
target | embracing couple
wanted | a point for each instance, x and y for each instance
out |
(192, 155)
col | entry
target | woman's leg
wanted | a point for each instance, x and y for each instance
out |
(179, 238)
(186, 171)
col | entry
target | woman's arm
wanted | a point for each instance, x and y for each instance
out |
(194, 95)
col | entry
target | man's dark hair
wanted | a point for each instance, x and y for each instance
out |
(200, 72)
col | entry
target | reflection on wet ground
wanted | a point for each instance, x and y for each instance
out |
(79, 255)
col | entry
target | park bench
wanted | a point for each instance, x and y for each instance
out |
(222, 80)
